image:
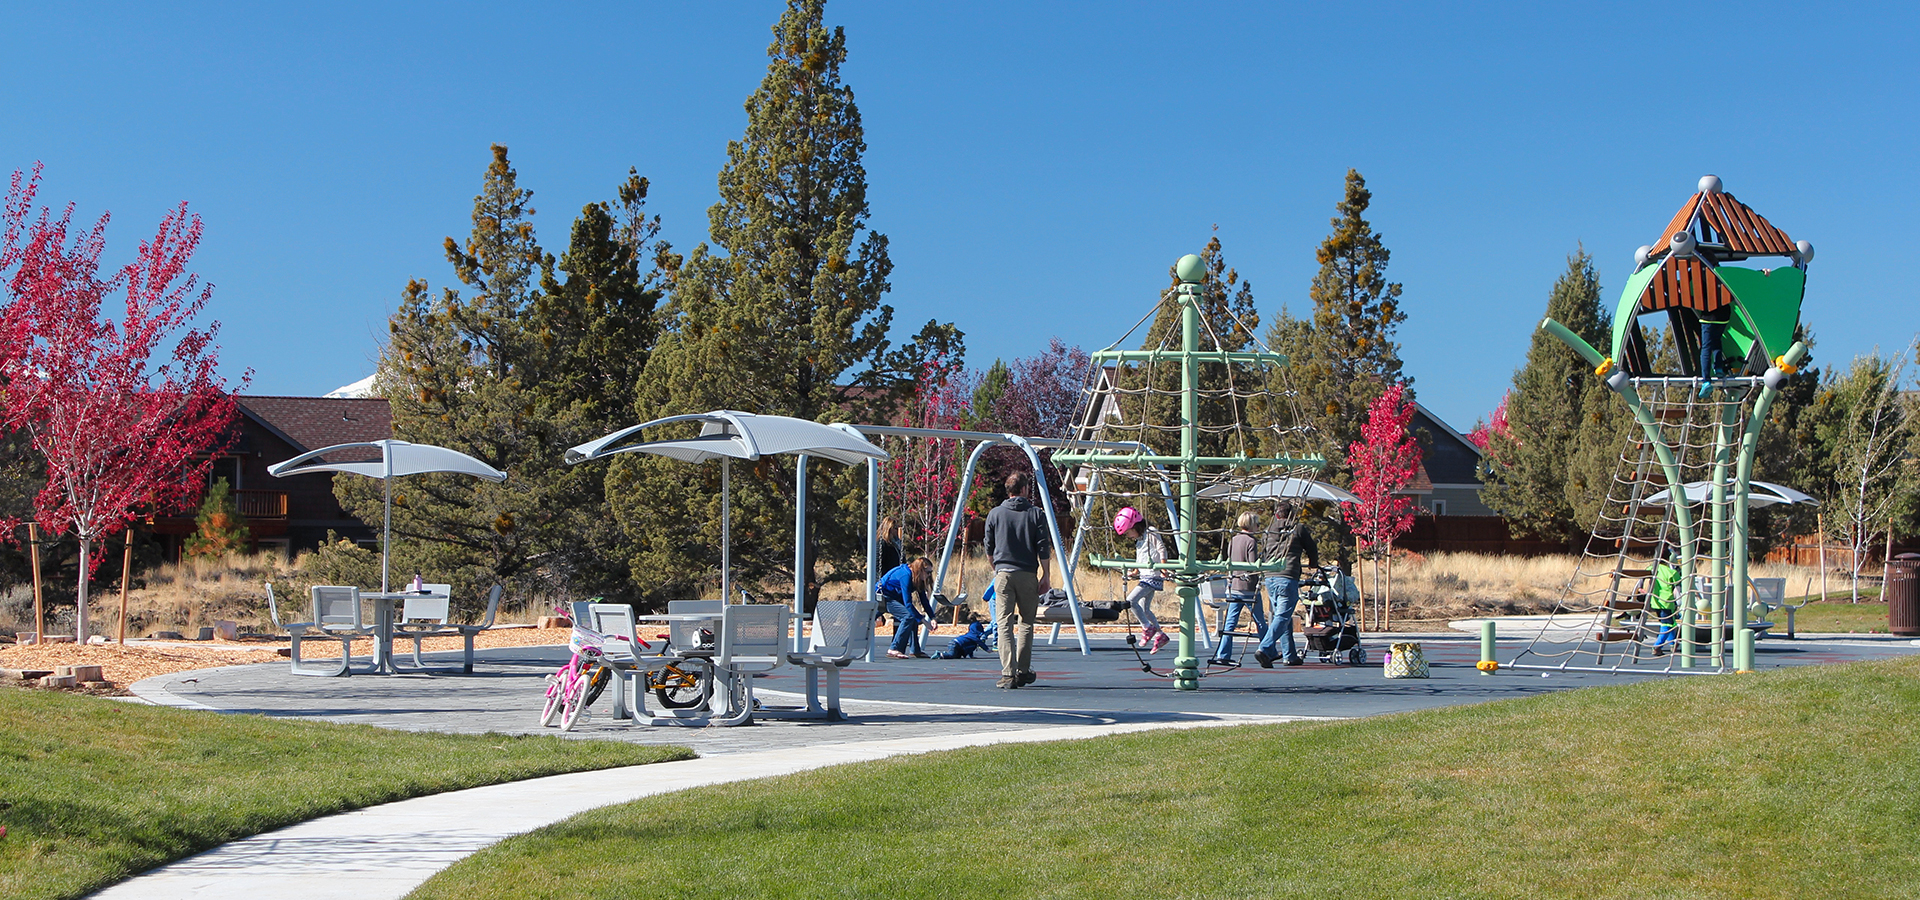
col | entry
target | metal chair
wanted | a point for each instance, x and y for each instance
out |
(336, 616)
(469, 632)
(752, 641)
(425, 616)
(842, 633)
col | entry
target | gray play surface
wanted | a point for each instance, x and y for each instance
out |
(908, 698)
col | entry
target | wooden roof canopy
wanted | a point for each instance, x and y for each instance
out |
(1686, 273)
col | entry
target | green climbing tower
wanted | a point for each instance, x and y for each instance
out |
(1226, 422)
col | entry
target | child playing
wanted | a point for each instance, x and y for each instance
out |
(1149, 551)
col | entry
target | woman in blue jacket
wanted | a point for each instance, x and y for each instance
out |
(898, 589)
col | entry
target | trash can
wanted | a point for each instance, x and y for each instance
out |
(1902, 593)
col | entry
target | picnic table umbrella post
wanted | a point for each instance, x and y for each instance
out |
(397, 458)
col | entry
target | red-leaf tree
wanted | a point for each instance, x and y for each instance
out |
(924, 474)
(1384, 462)
(1483, 432)
(121, 437)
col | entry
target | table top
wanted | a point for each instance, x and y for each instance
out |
(680, 617)
(397, 595)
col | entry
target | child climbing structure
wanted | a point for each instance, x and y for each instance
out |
(1206, 405)
(1662, 585)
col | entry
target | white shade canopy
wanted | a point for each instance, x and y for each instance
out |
(727, 435)
(735, 435)
(405, 458)
(1759, 493)
(1298, 488)
(396, 458)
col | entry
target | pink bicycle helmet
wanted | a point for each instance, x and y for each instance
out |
(1125, 519)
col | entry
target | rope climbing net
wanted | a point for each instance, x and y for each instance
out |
(1214, 407)
(1652, 589)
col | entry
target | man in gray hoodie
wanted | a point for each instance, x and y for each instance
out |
(1019, 546)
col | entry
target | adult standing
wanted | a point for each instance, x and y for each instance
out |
(1018, 544)
(1285, 540)
(1243, 589)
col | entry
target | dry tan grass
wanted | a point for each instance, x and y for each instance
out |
(1428, 590)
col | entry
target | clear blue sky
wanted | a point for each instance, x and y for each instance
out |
(1037, 166)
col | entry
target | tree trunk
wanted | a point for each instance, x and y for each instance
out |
(80, 596)
(1386, 564)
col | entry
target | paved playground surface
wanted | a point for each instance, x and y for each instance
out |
(894, 699)
(896, 707)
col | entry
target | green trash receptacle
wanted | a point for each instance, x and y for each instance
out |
(1902, 592)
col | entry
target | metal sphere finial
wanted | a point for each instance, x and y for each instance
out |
(1191, 269)
(1709, 184)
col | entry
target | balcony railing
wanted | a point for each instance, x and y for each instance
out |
(262, 504)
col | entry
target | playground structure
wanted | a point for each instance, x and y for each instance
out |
(984, 441)
(1677, 506)
(1162, 424)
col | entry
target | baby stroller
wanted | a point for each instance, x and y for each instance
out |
(1328, 620)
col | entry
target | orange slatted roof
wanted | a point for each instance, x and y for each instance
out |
(1723, 224)
(1740, 229)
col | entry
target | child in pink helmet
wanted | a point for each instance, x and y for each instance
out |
(1149, 550)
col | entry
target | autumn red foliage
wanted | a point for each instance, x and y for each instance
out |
(1483, 432)
(121, 436)
(1384, 462)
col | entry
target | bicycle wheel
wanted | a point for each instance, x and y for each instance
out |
(550, 713)
(677, 688)
(574, 702)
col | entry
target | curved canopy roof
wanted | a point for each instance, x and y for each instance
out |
(1760, 493)
(1303, 488)
(736, 435)
(405, 459)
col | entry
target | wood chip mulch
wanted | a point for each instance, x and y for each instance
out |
(124, 665)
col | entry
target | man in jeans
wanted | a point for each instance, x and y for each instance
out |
(1285, 540)
(1019, 546)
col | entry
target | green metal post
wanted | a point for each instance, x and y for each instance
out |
(1718, 508)
(1743, 484)
(1186, 666)
(1486, 644)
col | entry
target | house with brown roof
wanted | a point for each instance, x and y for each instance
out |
(288, 514)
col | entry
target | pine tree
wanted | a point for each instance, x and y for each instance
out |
(1346, 356)
(780, 315)
(514, 376)
(1562, 434)
(219, 529)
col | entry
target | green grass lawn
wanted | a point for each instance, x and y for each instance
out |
(1836, 614)
(1793, 783)
(94, 790)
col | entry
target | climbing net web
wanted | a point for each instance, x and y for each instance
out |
(1613, 612)
(1249, 430)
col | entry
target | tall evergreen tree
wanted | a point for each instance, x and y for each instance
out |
(1557, 451)
(1346, 356)
(780, 315)
(514, 377)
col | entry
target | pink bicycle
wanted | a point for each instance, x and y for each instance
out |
(578, 683)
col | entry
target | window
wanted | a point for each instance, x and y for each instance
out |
(1439, 507)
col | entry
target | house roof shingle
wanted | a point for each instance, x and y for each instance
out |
(309, 423)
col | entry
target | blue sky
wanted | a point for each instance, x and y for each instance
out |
(1036, 166)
